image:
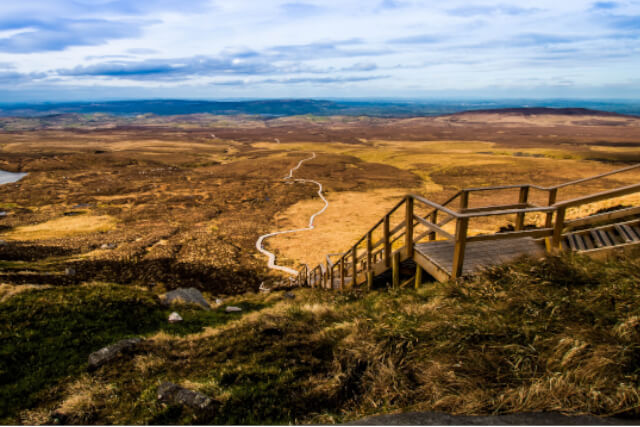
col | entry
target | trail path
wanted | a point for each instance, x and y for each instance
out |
(272, 258)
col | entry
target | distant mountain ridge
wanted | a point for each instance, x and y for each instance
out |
(293, 107)
(531, 111)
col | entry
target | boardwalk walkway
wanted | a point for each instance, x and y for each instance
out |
(435, 238)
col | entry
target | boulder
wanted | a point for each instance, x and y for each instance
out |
(232, 309)
(173, 394)
(175, 318)
(110, 353)
(185, 296)
(108, 246)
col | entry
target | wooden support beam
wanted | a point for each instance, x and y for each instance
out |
(342, 273)
(434, 220)
(396, 270)
(386, 241)
(464, 199)
(553, 194)
(462, 225)
(369, 250)
(369, 280)
(522, 198)
(354, 265)
(408, 235)
(557, 229)
(418, 280)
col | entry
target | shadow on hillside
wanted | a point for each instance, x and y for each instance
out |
(18, 251)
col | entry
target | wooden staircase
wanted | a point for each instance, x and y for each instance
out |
(434, 238)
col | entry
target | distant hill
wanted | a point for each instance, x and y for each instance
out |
(545, 111)
(294, 107)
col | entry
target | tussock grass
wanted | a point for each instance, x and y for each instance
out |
(557, 334)
(63, 226)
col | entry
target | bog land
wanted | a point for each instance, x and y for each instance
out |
(115, 211)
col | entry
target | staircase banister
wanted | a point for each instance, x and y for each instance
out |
(434, 205)
(591, 178)
(620, 191)
(507, 212)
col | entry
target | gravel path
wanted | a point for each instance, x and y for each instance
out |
(260, 242)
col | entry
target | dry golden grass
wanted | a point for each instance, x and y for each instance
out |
(63, 227)
(7, 291)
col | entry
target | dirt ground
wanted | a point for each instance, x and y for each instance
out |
(163, 205)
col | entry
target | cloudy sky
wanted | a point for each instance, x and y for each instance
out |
(215, 49)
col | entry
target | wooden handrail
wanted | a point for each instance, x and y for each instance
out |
(591, 178)
(433, 227)
(599, 196)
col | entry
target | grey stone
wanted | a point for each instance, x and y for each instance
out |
(175, 318)
(232, 309)
(110, 353)
(108, 246)
(172, 393)
(219, 301)
(3, 213)
(186, 296)
(70, 271)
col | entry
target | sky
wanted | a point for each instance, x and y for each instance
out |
(66, 50)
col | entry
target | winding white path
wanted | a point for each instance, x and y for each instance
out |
(272, 258)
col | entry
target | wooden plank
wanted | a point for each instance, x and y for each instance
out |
(387, 245)
(622, 191)
(623, 233)
(572, 242)
(612, 236)
(408, 241)
(603, 217)
(631, 232)
(597, 239)
(433, 227)
(580, 242)
(512, 234)
(418, 277)
(431, 267)
(605, 237)
(496, 208)
(586, 238)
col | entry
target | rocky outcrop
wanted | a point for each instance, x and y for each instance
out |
(185, 296)
(108, 354)
(173, 394)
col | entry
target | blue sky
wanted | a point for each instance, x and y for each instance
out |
(213, 49)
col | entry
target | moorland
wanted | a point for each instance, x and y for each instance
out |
(115, 211)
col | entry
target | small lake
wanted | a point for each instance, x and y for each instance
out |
(9, 177)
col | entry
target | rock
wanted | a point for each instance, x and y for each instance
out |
(219, 301)
(172, 393)
(289, 295)
(185, 296)
(175, 318)
(263, 288)
(109, 353)
(70, 271)
(232, 309)
(108, 246)
(3, 213)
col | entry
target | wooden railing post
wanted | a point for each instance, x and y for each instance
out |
(396, 270)
(522, 198)
(433, 218)
(331, 276)
(462, 224)
(354, 279)
(557, 229)
(553, 194)
(387, 244)
(464, 200)
(369, 250)
(342, 272)
(408, 236)
(418, 276)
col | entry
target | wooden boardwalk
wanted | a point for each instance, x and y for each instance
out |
(413, 231)
(437, 257)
